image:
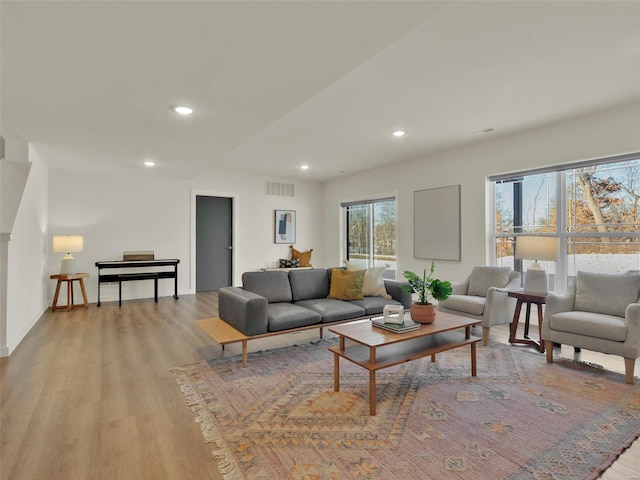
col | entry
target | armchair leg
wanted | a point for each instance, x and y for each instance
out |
(485, 336)
(549, 349)
(629, 363)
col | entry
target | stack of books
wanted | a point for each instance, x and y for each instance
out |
(406, 326)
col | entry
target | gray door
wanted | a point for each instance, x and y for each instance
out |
(213, 242)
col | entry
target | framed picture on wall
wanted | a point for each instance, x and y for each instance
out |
(285, 226)
(436, 223)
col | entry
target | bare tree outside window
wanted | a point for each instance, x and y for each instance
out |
(602, 215)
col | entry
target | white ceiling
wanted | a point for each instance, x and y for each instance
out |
(276, 84)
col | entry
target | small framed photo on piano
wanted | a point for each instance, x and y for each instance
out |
(285, 226)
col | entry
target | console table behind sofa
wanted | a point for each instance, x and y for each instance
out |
(130, 276)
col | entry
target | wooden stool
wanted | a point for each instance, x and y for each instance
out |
(69, 278)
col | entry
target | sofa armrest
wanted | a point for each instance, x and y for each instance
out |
(460, 288)
(560, 303)
(499, 307)
(514, 282)
(632, 320)
(393, 289)
(243, 310)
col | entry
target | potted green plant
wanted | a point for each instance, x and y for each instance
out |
(427, 288)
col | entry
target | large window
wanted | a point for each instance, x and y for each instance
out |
(593, 208)
(371, 233)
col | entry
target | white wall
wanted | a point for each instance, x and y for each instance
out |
(14, 170)
(254, 245)
(118, 213)
(611, 132)
(27, 274)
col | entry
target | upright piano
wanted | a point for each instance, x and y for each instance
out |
(120, 277)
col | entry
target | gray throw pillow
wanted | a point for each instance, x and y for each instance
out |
(605, 293)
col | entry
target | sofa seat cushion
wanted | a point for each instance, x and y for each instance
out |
(465, 303)
(590, 324)
(274, 286)
(306, 284)
(332, 310)
(284, 316)
(374, 305)
(484, 277)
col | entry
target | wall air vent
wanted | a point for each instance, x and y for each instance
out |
(279, 189)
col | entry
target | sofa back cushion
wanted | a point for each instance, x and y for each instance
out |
(274, 286)
(484, 277)
(605, 293)
(308, 284)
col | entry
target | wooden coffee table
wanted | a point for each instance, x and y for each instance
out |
(374, 348)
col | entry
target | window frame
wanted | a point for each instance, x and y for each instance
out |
(371, 202)
(562, 228)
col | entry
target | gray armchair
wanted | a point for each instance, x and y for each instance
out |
(599, 312)
(484, 296)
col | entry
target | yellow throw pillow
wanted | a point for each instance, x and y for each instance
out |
(346, 285)
(304, 257)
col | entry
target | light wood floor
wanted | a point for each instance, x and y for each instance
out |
(88, 394)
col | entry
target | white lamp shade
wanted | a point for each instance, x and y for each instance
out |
(68, 243)
(537, 248)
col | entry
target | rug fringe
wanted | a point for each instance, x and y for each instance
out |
(226, 463)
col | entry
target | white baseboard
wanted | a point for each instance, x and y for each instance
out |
(13, 343)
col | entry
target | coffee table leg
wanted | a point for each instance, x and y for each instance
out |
(336, 372)
(473, 360)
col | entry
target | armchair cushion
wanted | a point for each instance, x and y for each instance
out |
(465, 303)
(484, 277)
(590, 324)
(608, 294)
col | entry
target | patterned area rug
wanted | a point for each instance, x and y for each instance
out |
(520, 418)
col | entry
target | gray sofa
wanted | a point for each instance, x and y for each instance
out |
(273, 301)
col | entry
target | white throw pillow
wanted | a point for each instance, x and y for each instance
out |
(373, 284)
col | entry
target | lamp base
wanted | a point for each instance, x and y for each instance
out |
(535, 280)
(68, 265)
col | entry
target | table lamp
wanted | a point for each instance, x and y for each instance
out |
(536, 248)
(68, 244)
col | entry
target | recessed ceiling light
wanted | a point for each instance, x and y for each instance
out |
(398, 133)
(183, 110)
(304, 167)
(149, 163)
